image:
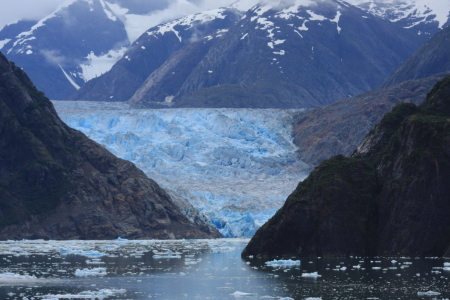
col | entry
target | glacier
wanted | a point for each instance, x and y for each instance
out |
(236, 166)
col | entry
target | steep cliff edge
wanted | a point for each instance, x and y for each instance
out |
(338, 128)
(390, 198)
(431, 58)
(55, 183)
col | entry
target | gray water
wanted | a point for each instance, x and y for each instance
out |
(203, 269)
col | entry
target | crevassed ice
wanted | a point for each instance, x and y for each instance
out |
(237, 166)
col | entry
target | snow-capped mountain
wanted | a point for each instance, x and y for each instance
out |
(77, 42)
(425, 17)
(290, 54)
(158, 45)
(235, 166)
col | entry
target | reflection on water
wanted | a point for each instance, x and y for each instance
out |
(204, 269)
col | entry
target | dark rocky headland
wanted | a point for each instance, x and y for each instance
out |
(391, 197)
(55, 183)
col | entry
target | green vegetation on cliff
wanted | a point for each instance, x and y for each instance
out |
(390, 198)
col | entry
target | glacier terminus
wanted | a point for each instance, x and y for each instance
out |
(236, 166)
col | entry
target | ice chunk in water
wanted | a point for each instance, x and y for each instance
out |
(281, 262)
(242, 294)
(90, 272)
(311, 275)
(429, 293)
(13, 276)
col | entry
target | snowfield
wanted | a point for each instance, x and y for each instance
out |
(237, 166)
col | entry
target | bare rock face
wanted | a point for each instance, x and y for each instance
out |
(391, 197)
(431, 58)
(55, 183)
(338, 128)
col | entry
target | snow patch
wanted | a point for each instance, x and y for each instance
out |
(72, 82)
(98, 65)
(107, 11)
(4, 42)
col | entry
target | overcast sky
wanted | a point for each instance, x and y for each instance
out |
(13, 10)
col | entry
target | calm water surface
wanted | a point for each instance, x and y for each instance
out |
(203, 269)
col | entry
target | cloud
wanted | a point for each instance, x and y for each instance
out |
(160, 10)
(53, 57)
(15, 10)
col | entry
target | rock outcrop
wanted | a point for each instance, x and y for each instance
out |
(433, 57)
(55, 183)
(338, 128)
(391, 197)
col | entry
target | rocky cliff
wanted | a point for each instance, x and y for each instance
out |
(390, 198)
(338, 128)
(433, 57)
(55, 183)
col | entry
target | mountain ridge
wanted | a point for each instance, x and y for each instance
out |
(278, 59)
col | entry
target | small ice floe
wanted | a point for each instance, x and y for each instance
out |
(90, 272)
(343, 268)
(8, 276)
(357, 267)
(393, 261)
(429, 293)
(311, 275)
(168, 255)
(376, 268)
(242, 294)
(286, 298)
(101, 294)
(313, 298)
(119, 239)
(86, 253)
(95, 261)
(447, 264)
(283, 263)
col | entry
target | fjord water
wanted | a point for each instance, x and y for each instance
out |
(203, 269)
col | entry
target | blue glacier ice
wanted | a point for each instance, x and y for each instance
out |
(236, 166)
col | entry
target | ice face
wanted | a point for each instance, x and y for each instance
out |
(237, 166)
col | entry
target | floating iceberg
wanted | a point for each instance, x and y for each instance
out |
(429, 293)
(87, 253)
(101, 294)
(90, 272)
(13, 276)
(168, 255)
(311, 275)
(242, 294)
(283, 263)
